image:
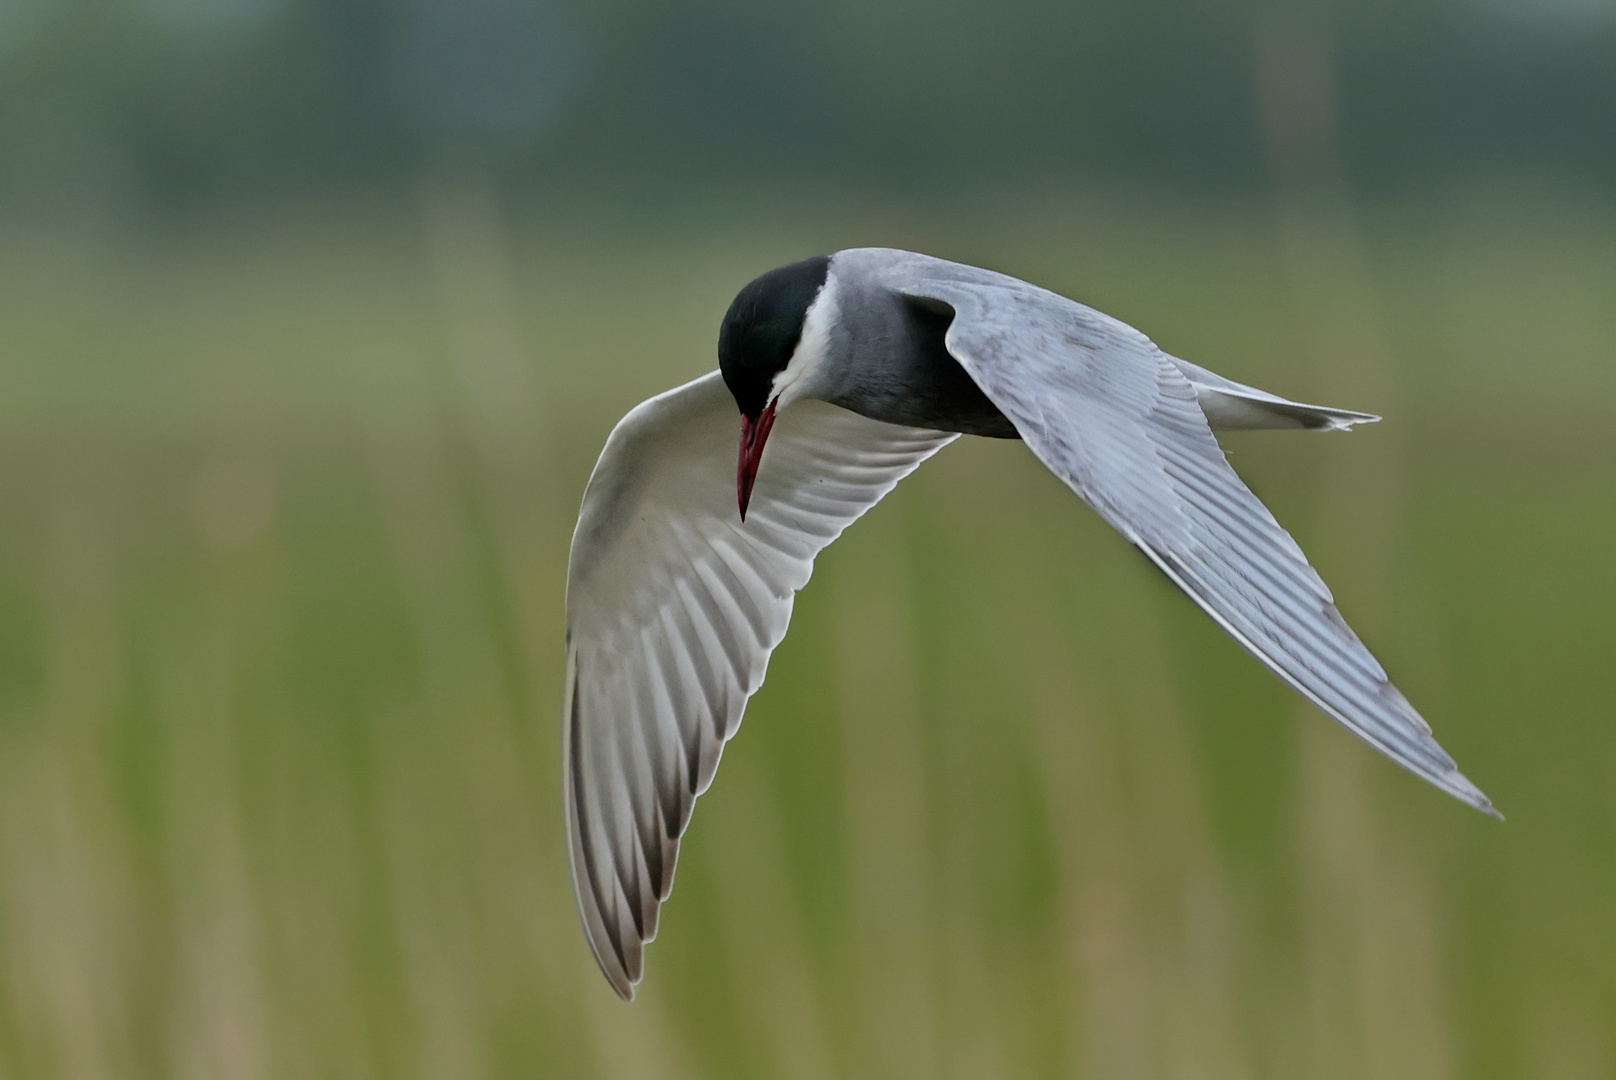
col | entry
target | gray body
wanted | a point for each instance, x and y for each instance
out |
(890, 359)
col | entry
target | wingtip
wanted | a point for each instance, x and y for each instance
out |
(621, 967)
(613, 965)
(1485, 805)
(1458, 785)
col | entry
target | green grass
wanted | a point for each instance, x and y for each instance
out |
(284, 509)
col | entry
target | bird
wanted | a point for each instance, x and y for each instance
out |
(842, 374)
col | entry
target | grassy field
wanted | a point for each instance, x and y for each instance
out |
(284, 510)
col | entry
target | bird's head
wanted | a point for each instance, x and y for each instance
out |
(757, 347)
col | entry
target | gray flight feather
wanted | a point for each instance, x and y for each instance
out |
(673, 607)
(1122, 423)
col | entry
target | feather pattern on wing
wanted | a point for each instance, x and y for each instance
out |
(1120, 422)
(673, 607)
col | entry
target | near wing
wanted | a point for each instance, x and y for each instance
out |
(1118, 420)
(673, 606)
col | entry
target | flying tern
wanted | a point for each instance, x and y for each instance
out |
(842, 374)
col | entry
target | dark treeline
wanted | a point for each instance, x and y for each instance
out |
(181, 102)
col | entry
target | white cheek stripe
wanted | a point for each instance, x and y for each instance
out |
(801, 374)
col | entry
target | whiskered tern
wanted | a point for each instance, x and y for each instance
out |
(845, 372)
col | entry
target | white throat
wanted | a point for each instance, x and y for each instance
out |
(805, 375)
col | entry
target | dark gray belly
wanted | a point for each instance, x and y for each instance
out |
(915, 381)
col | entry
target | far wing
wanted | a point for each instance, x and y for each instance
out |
(673, 607)
(1119, 421)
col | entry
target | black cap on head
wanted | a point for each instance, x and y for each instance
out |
(762, 328)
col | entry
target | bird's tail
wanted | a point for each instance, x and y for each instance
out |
(1231, 406)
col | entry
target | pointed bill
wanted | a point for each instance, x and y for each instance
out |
(754, 433)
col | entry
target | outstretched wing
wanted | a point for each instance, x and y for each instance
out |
(1119, 421)
(673, 607)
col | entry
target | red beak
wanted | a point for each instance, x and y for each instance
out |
(754, 433)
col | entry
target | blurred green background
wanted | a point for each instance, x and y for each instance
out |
(314, 314)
